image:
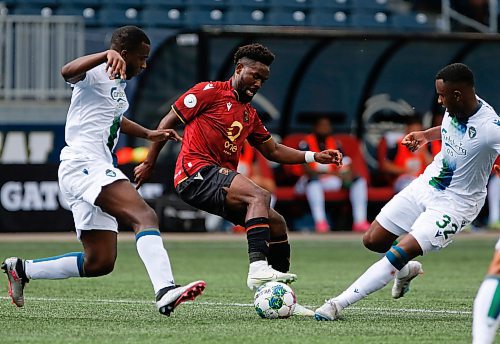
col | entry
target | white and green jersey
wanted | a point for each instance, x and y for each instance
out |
(469, 149)
(94, 116)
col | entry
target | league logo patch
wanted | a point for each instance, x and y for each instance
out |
(190, 101)
(472, 132)
(110, 173)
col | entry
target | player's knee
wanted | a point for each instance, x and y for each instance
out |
(263, 196)
(145, 218)
(99, 266)
(370, 242)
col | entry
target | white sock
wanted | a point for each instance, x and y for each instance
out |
(404, 271)
(154, 256)
(358, 194)
(485, 315)
(494, 200)
(375, 278)
(316, 198)
(58, 267)
(255, 266)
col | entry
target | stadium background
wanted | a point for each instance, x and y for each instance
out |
(365, 63)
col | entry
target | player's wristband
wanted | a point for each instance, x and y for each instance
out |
(309, 156)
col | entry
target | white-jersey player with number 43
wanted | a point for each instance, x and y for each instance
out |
(440, 202)
(97, 192)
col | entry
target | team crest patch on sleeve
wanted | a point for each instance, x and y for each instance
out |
(472, 132)
(224, 171)
(110, 173)
(190, 101)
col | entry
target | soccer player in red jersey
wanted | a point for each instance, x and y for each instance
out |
(218, 119)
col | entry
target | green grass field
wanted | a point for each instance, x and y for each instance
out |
(118, 308)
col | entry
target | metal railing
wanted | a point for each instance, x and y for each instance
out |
(32, 51)
(448, 13)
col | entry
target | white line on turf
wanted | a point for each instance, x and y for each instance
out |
(222, 304)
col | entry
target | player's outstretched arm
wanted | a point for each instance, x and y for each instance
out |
(286, 155)
(134, 129)
(143, 171)
(417, 139)
(75, 70)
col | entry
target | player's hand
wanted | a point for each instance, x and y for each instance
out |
(414, 140)
(163, 135)
(142, 173)
(329, 156)
(116, 66)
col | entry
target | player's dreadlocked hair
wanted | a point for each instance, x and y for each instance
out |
(256, 52)
(456, 72)
(128, 38)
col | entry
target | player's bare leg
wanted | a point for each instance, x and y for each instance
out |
(395, 264)
(243, 193)
(122, 201)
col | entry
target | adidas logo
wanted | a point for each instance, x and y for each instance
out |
(229, 106)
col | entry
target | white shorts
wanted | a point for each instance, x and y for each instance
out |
(497, 246)
(433, 217)
(81, 183)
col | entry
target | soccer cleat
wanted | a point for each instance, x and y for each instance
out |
(329, 311)
(303, 311)
(14, 268)
(402, 285)
(167, 302)
(268, 274)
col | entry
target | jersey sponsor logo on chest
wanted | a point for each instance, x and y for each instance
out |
(452, 145)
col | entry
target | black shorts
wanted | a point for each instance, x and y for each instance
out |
(205, 190)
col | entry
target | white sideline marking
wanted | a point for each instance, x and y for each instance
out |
(143, 302)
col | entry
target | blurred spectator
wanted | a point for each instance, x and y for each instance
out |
(317, 178)
(399, 165)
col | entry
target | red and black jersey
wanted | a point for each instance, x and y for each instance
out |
(217, 125)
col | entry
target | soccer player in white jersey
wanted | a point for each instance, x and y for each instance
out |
(487, 302)
(440, 202)
(97, 192)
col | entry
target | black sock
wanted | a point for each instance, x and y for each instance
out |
(279, 254)
(258, 235)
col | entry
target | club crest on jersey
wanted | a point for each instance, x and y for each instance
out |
(110, 173)
(190, 101)
(229, 105)
(224, 171)
(117, 94)
(472, 132)
(234, 131)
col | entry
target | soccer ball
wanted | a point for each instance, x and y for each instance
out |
(274, 300)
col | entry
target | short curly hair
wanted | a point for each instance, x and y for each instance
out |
(128, 38)
(456, 72)
(256, 52)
